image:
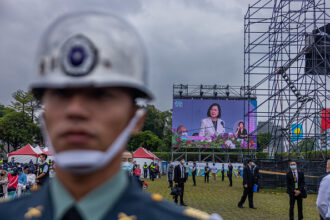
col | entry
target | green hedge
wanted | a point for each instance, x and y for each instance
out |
(307, 155)
(163, 155)
(260, 155)
(194, 157)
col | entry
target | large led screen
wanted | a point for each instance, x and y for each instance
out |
(207, 123)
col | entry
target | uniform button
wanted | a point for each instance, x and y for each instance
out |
(156, 197)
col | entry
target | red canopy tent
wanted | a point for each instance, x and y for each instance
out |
(45, 151)
(24, 155)
(27, 150)
(144, 153)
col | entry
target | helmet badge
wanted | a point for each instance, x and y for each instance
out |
(78, 55)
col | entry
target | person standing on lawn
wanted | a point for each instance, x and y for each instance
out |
(230, 174)
(323, 197)
(145, 170)
(248, 183)
(206, 173)
(170, 172)
(187, 170)
(180, 179)
(223, 172)
(295, 181)
(137, 172)
(214, 170)
(193, 173)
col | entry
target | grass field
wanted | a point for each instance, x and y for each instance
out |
(218, 197)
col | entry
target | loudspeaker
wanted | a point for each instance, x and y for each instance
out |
(318, 57)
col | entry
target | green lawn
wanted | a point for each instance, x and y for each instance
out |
(218, 197)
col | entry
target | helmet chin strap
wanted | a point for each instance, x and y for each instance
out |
(87, 161)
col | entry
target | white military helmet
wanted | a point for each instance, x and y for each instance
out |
(90, 49)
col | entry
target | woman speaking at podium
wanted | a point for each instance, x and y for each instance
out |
(212, 125)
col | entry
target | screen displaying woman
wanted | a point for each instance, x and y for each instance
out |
(212, 125)
(241, 132)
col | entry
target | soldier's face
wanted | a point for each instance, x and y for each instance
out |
(86, 118)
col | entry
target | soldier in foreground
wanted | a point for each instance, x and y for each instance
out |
(91, 69)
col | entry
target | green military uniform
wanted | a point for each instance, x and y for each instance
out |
(109, 201)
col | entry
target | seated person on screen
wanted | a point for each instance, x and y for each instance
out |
(212, 125)
(241, 132)
(182, 131)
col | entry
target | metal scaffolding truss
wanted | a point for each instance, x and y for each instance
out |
(209, 91)
(287, 66)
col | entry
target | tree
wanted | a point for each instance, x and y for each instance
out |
(263, 141)
(306, 145)
(25, 102)
(146, 139)
(5, 110)
(158, 122)
(16, 130)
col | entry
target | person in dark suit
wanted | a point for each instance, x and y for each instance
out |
(248, 183)
(206, 173)
(295, 182)
(230, 174)
(223, 172)
(194, 172)
(180, 179)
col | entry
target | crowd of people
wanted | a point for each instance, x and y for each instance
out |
(17, 179)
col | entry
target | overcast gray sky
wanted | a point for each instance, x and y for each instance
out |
(188, 41)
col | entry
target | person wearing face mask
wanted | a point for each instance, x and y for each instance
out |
(91, 69)
(12, 183)
(295, 181)
(43, 171)
(179, 180)
(323, 197)
(248, 183)
(3, 183)
(127, 162)
(21, 186)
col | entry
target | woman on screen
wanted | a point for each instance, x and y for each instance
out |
(212, 125)
(241, 132)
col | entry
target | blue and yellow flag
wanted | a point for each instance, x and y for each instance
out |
(297, 132)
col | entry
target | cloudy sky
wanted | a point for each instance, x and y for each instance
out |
(188, 41)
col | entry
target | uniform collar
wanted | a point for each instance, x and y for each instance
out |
(95, 204)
